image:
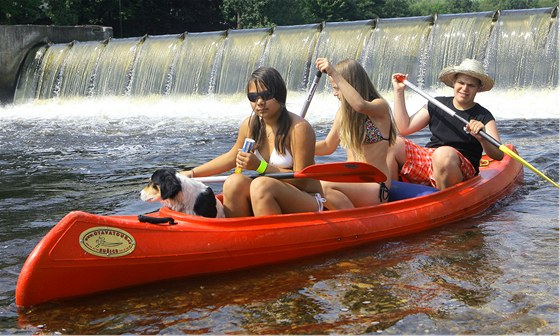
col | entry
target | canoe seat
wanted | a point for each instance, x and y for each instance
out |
(403, 190)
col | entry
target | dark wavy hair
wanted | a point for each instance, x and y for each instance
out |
(271, 79)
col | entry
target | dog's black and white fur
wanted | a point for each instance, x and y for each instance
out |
(182, 194)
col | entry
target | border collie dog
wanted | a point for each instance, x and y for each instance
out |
(182, 194)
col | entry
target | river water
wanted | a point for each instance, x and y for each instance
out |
(496, 273)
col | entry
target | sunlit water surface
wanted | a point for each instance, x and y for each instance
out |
(493, 274)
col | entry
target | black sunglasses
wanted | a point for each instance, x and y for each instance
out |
(265, 95)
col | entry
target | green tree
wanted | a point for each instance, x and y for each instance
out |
(245, 13)
(329, 10)
(461, 6)
(22, 11)
(369, 9)
(137, 17)
(493, 5)
(157, 17)
(285, 12)
(64, 12)
(394, 8)
(429, 7)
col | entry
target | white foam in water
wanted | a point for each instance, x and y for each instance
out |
(514, 104)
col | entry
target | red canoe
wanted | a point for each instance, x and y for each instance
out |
(85, 253)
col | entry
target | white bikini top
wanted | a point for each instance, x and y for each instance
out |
(277, 160)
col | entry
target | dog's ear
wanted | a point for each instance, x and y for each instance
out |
(205, 204)
(169, 184)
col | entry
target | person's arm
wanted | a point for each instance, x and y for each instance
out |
(303, 145)
(475, 126)
(331, 142)
(303, 153)
(405, 123)
(224, 162)
(377, 108)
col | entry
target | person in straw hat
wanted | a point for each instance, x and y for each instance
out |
(453, 153)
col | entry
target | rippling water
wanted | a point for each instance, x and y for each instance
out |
(493, 274)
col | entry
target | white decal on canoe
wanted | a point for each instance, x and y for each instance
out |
(104, 241)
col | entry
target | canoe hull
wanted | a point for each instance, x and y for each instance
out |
(86, 253)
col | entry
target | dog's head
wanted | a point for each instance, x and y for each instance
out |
(182, 194)
(163, 185)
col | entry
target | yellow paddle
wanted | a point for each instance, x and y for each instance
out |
(485, 135)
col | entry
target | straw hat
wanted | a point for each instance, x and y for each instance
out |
(469, 67)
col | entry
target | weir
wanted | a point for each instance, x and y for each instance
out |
(517, 47)
(17, 40)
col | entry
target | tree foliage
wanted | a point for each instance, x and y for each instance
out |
(245, 13)
(493, 5)
(158, 17)
(21, 12)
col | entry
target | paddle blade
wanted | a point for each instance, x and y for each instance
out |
(519, 159)
(343, 172)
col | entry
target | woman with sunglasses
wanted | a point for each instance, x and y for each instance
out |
(284, 142)
(363, 126)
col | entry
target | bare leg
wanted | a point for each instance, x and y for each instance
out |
(447, 167)
(396, 157)
(336, 198)
(350, 195)
(237, 200)
(270, 196)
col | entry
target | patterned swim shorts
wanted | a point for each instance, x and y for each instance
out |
(418, 165)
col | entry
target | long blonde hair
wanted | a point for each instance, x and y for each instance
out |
(352, 124)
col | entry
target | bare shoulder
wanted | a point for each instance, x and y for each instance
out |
(299, 123)
(380, 110)
(244, 126)
(301, 129)
(245, 122)
(381, 105)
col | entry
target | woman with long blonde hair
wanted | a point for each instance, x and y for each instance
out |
(364, 127)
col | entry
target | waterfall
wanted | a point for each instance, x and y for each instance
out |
(152, 78)
(291, 49)
(523, 49)
(395, 46)
(517, 47)
(452, 37)
(243, 50)
(193, 70)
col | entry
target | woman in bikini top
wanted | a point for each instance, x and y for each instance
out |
(354, 129)
(288, 140)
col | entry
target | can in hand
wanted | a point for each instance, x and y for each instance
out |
(247, 147)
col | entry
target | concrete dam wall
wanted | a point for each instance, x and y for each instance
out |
(16, 41)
